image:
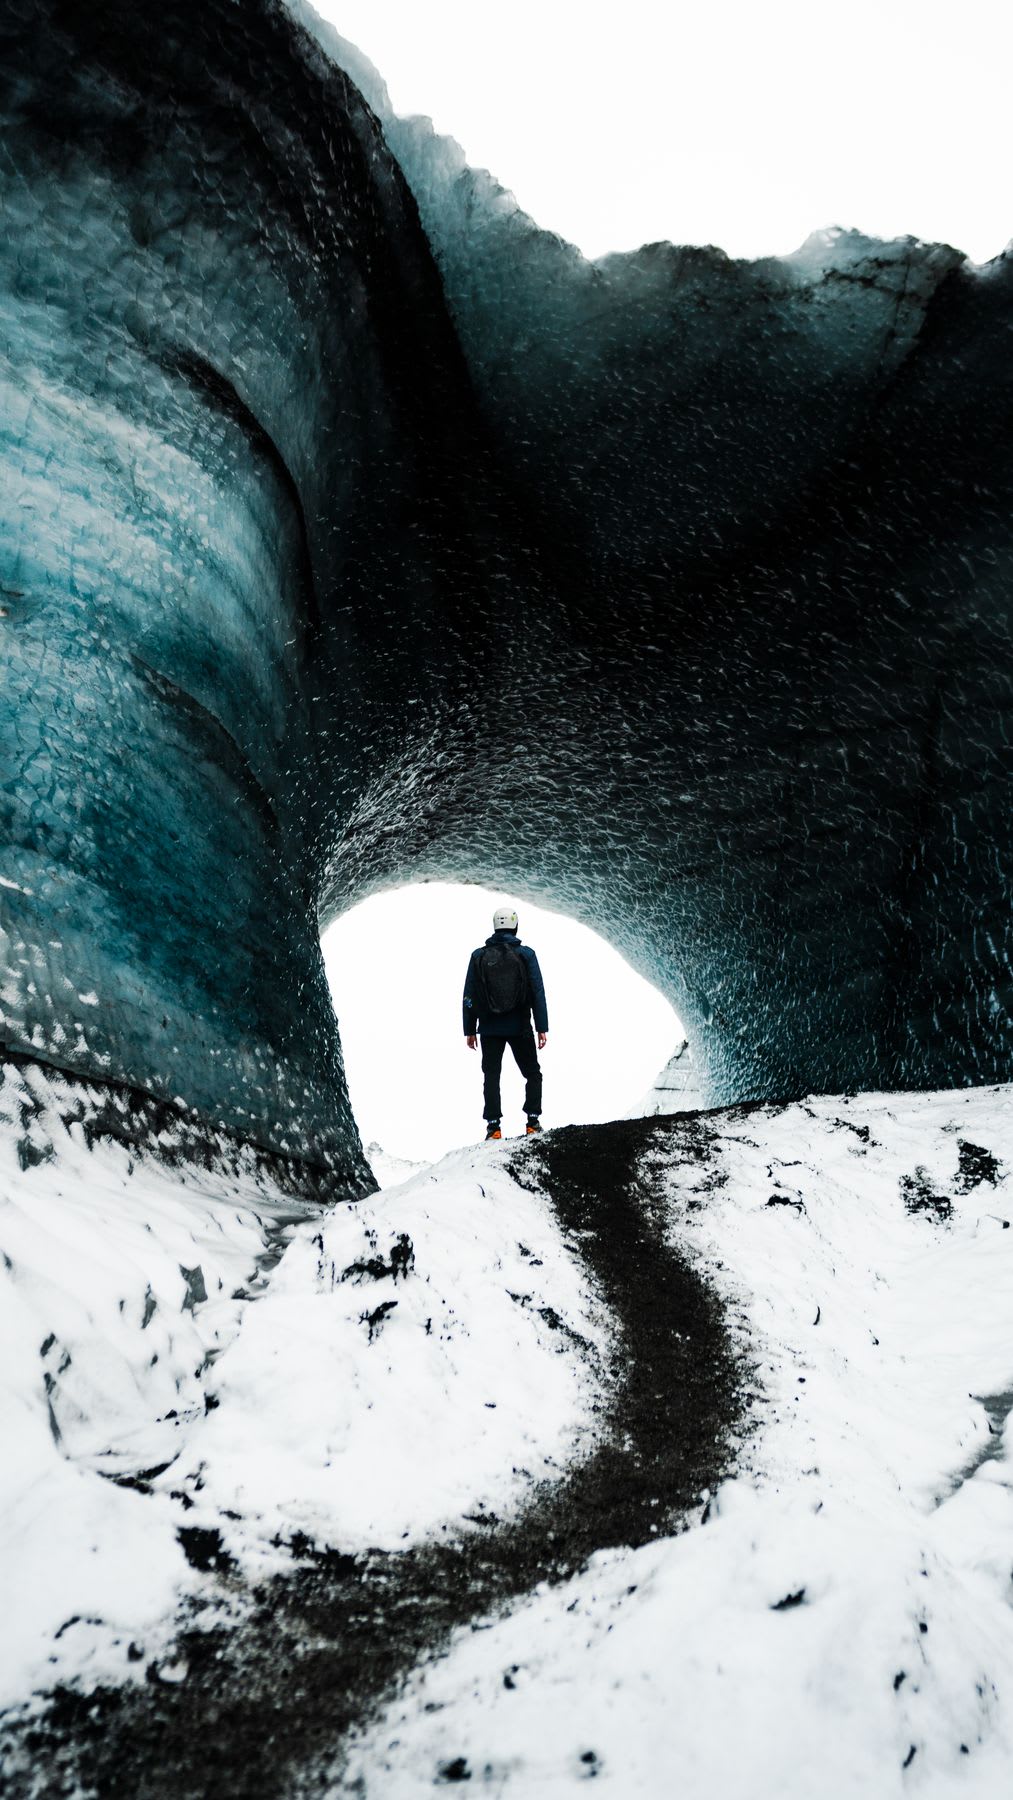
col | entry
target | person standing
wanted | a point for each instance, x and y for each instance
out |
(502, 989)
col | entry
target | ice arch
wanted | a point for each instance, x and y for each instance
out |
(355, 530)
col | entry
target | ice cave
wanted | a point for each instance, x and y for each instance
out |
(295, 414)
(355, 531)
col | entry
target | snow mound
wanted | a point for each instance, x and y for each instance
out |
(120, 1281)
(405, 1370)
(189, 1350)
(838, 1621)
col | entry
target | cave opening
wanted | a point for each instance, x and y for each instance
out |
(396, 964)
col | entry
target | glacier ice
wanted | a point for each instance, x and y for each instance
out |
(354, 531)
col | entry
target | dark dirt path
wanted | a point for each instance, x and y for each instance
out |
(267, 1700)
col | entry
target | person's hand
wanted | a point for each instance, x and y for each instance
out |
(472, 1043)
(543, 1038)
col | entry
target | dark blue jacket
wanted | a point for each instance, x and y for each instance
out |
(503, 1024)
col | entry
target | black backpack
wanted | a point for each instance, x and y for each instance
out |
(505, 978)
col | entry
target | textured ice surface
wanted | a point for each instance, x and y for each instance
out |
(353, 530)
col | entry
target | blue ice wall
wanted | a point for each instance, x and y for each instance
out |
(217, 323)
(353, 530)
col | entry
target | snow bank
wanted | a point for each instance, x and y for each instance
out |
(117, 1289)
(161, 1369)
(839, 1620)
(404, 1371)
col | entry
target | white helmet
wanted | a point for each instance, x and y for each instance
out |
(504, 919)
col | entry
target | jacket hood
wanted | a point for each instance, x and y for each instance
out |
(503, 937)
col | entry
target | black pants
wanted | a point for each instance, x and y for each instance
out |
(522, 1043)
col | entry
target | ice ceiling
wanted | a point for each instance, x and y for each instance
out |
(354, 530)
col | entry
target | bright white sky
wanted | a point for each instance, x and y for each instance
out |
(747, 125)
(415, 1087)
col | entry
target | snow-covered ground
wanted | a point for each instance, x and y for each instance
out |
(836, 1620)
(117, 1285)
(392, 1373)
(398, 1375)
(839, 1622)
